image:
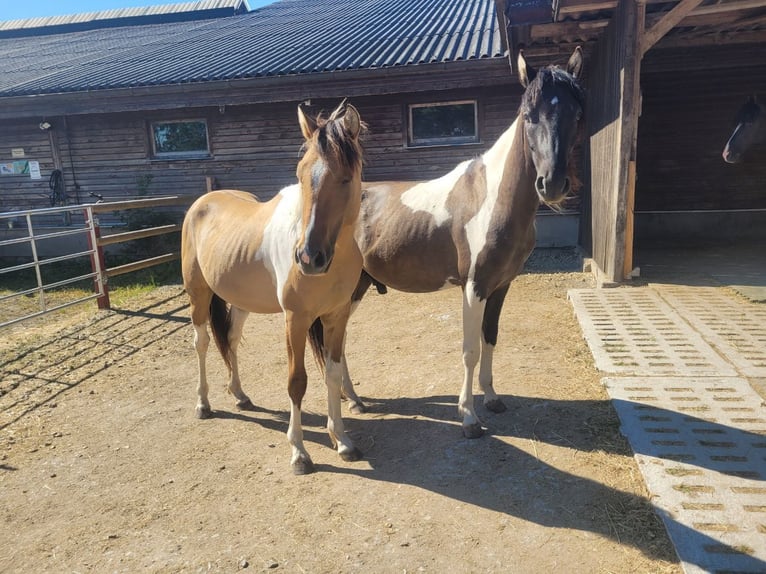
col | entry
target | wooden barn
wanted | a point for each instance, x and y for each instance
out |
(151, 107)
(174, 100)
(665, 82)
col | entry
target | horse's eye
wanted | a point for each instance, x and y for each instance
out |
(346, 181)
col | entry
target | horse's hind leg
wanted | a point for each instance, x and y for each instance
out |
(200, 305)
(355, 404)
(489, 328)
(238, 318)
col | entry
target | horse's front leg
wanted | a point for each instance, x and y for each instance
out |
(334, 326)
(489, 328)
(296, 327)
(238, 317)
(473, 312)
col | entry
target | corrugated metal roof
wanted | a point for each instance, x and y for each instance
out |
(97, 18)
(287, 37)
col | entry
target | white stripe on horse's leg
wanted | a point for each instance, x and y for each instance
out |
(333, 377)
(300, 459)
(201, 344)
(485, 371)
(473, 311)
(238, 317)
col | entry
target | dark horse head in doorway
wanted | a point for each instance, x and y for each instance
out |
(750, 130)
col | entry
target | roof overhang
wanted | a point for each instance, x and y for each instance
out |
(541, 25)
(271, 89)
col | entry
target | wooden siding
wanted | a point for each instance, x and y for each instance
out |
(610, 121)
(254, 147)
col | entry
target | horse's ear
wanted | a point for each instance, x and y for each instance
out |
(351, 121)
(574, 66)
(526, 72)
(307, 123)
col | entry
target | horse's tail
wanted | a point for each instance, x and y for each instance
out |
(220, 324)
(316, 341)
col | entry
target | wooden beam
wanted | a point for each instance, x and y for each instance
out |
(651, 36)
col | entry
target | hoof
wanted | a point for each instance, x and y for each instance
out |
(302, 466)
(245, 405)
(496, 406)
(352, 455)
(472, 431)
(357, 408)
(203, 412)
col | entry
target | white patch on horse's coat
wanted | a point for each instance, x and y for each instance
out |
(280, 237)
(554, 100)
(431, 196)
(477, 228)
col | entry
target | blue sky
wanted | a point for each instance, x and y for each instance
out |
(16, 9)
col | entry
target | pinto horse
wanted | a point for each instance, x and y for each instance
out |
(475, 226)
(750, 130)
(294, 254)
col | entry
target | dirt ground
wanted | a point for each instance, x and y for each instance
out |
(104, 468)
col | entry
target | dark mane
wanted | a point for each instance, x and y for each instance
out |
(335, 143)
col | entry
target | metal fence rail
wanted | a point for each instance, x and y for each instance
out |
(91, 230)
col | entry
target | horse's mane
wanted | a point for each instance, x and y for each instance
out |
(336, 143)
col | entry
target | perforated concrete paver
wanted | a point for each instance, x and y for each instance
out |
(701, 446)
(634, 331)
(736, 328)
(693, 419)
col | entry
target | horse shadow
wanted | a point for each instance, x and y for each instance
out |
(422, 446)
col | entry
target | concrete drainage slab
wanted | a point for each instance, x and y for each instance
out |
(634, 331)
(736, 328)
(686, 361)
(701, 446)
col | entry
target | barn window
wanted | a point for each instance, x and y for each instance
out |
(181, 139)
(446, 123)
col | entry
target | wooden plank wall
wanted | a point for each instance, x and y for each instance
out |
(604, 122)
(19, 191)
(610, 110)
(254, 147)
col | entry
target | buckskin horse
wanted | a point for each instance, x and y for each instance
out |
(749, 131)
(475, 226)
(294, 254)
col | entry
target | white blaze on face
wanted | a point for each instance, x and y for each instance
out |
(431, 196)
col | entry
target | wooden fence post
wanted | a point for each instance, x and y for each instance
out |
(97, 261)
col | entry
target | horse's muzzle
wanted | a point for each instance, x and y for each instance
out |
(313, 262)
(552, 191)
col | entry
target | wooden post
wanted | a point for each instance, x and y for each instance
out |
(97, 261)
